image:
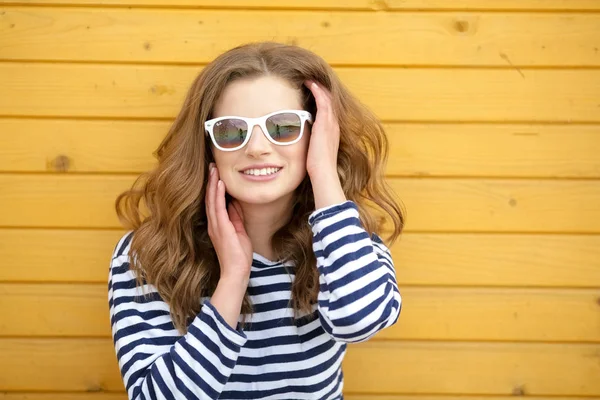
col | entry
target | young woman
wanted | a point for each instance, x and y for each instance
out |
(254, 253)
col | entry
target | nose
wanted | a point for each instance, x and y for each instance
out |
(258, 144)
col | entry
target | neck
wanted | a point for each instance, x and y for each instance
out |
(261, 221)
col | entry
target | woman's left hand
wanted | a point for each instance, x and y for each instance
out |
(325, 135)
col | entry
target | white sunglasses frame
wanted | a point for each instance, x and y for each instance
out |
(261, 122)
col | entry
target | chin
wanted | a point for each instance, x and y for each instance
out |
(264, 193)
(260, 197)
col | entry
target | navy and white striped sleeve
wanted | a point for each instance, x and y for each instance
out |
(358, 293)
(155, 360)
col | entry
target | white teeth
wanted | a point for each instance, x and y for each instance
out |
(263, 171)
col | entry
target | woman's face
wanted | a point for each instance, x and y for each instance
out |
(255, 97)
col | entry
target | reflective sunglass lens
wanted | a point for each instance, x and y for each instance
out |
(284, 127)
(230, 133)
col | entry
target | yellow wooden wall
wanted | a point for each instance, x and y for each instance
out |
(493, 111)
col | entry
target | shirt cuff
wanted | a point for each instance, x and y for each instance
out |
(238, 337)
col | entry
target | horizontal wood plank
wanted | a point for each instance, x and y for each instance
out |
(505, 150)
(37, 145)
(81, 396)
(499, 205)
(54, 310)
(59, 365)
(123, 396)
(473, 205)
(497, 314)
(87, 396)
(394, 94)
(59, 256)
(472, 368)
(198, 36)
(425, 367)
(422, 397)
(67, 255)
(486, 150)
(61, 201)
(497, 260)
(428, 313)
(384, 5)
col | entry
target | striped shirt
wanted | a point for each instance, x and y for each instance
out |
(274, 356)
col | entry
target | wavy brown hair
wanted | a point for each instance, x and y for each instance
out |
(171, 249)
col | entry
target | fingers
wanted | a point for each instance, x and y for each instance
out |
(323, 98)
(318, 90)
(220, 207)
(216, 208)
(317, 93)
(209, 200)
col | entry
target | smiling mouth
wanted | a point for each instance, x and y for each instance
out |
(261, 172)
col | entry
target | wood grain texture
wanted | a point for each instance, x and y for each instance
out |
(32, 145)
(77, 365)
(199, 36)
(423, 259)
(493, 116)
(472, 368)
(497, 314)
(372, 5)
(462, 205)
(123, 396)
(489, 150)
(426, 367)
(484, 150)
(498, 260)
(80, 396)
(426, 397)
(33, 310)
(65, 310)
(60, 256)
(128, 91)
(499, 205)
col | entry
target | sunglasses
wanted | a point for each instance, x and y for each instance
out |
(283, 128)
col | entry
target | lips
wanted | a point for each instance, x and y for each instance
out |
(260, 166)
(262, 178)
(261, 172)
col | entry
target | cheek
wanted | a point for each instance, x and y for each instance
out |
(297, 154)
(223, 161)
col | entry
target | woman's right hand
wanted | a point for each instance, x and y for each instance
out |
(226, 231)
